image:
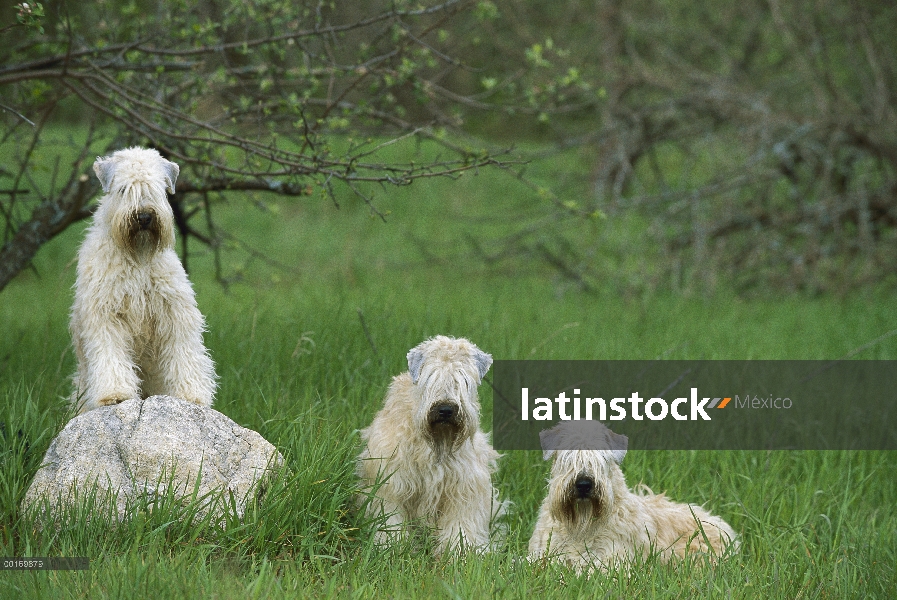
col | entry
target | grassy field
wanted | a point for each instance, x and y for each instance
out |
(305, 351)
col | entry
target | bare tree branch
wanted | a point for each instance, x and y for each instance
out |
(243, 105)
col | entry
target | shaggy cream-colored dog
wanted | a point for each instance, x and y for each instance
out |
(425, 456)
(135, 325)
(590, 519)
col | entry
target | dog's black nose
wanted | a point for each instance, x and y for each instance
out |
(584, 486)
(144, 219)
(446, 412)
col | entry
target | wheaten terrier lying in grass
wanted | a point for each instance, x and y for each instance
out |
(590, 519)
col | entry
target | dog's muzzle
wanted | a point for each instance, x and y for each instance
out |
(581, 503)
(444, 413)
(445, 428)
(144, 232)
(583, 487)
(145, 219)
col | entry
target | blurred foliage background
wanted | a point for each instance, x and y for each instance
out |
(750, 145)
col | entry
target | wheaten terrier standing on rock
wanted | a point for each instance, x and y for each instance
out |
(590, 519)
(426, 457)
(135, 325)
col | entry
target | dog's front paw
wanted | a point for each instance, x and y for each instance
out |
(111, 399)
(202, 401)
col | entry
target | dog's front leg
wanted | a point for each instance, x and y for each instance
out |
(106, 371)
(394, 527)
(464, 526)
(184, 364)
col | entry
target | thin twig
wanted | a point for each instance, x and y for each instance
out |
(367, 333)
(850, 355)
(18, 114)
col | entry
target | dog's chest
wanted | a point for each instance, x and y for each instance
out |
(142, 306)
(437, 483)
(138, 314)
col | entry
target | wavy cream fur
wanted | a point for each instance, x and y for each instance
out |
(449, 490)
(614, 525)
(135, 325)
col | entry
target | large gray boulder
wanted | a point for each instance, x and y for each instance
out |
(146, 447)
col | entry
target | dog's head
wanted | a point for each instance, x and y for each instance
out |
(585, 475)
(134, 207)
(446, 372)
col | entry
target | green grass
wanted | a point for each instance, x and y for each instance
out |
(297, 365)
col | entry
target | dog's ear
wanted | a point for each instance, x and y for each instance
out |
(618, 444)
(549, 440)
(483, 361)
(415, 362)
(171, 174)
(105, 170)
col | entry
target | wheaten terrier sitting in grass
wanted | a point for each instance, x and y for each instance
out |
(426, 458)
(590, 519)
(135, 325)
